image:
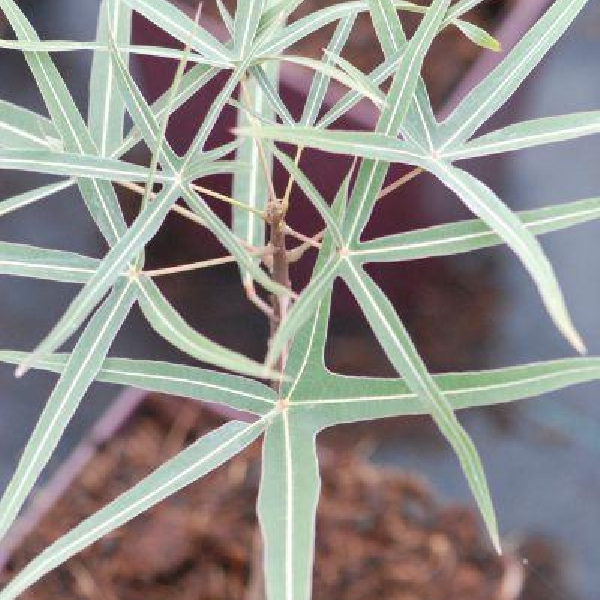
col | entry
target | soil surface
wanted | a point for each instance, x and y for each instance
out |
(381, 534)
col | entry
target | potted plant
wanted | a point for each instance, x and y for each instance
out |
(300, 396)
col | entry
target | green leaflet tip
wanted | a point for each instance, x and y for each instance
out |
(495, 537)
(574, 339)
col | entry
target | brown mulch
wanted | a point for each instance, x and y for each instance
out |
(381, 534)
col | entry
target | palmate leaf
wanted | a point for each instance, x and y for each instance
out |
(99, 196)
(181, 27)
(504, 80)
(419, 124)
(142, 115)
(114, 263)
(202, 457)
(191, 82)
(371, 174)
(474, 194)
(79, 372)
(236, 392)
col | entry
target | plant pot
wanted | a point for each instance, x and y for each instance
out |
(421, 290)
(379, 532)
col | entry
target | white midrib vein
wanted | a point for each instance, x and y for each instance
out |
(459, 392)
(109, 86)
(24, 134)
(100, 172)
(473, 236)
(475, 149)
(289, 522)
(74, 382)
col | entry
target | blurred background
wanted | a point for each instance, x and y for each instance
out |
(475, 311)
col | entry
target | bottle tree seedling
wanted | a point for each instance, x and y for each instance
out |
(293, 394)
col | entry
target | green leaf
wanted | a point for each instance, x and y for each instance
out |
(21, 200)
(213, 113)
(101, 48)
(529, 134)
(79, 373)
(287, 504)
(502, 82)
(247, 19)
(99, 196)
(204, 385)
(267, 87)
(22, 128)
(42, 263)
(202, 457)
(142, 115)
(466, 236)
(419, 125)
(401, 94)
(355, 399)
(169, 324)
(401, 352)
(487, 206)
(74, 165)
(181, 27)
(373, 146)
(225, 16)
(111, 267)
(352, 98)
(353, 80)
(191, 82)
(320, 82)
(479, 36)
(106, 113)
